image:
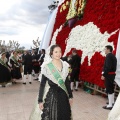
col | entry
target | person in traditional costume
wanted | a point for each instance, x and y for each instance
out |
(55, 96)
(35, 64)
(20, 60)
(27, 67)
(15, 66)
(108, 74)
(5, 75)
(75, 62)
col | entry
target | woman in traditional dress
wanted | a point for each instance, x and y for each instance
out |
(55, 96)
(5, 75)
(15, 72)
(20, 62)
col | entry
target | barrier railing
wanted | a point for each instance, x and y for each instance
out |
(95, 89)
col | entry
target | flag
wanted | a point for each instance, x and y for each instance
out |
(117, 78)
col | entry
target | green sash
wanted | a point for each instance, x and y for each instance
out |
(2, 62)
(57, 76)
(16, 62)
(14, 59)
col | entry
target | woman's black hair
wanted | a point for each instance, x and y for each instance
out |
(52, 49)
(43, 51)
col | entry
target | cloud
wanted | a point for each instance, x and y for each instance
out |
(24, 19)
(9, 31)
(30, 12)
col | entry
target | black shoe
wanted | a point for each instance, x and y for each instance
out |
(107, 108)
(76, 89)
(33, 75)
(113, 104)
(24, 83)
(36, 79)
(108, 103)
(13, 82)
(3, 86)
(30, 83)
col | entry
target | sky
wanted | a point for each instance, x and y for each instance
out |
(23, 20)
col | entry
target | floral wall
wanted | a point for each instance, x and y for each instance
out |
(98, 27)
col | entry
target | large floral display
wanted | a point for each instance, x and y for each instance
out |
(88, 26)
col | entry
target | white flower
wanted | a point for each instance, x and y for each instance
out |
(89, 39)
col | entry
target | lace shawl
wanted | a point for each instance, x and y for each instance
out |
(45, 71)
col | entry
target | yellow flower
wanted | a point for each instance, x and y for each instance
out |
(67, 3)
(64, 7)
(61, 10)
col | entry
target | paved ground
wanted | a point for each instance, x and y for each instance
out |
(16, 103)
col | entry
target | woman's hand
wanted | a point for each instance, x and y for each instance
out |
(71, 101)
(41, 106)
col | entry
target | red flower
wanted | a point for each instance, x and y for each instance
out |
(106, 16)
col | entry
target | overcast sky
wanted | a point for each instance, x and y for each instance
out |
(23, 20)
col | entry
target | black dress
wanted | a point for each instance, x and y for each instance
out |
(5, 75)
(15, 72)
(56, 105)
(41, 60)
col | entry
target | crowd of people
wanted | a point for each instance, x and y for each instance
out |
(16, 65)
(27, 65)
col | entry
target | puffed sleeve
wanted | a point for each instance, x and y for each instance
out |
(41, 89)
(67, 84)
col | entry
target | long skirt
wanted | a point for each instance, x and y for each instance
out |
(56, 106)
(15, 73)
(5, 75)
